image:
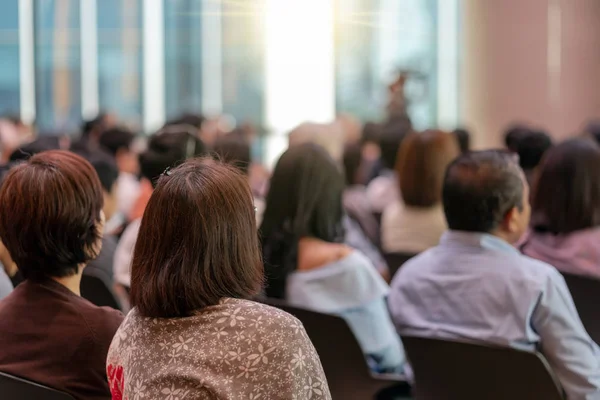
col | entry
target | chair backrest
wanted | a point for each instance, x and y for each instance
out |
(586, 295)
(343, 361)
(396, 260)
(452, 370)
(13, 388)
(95, 289)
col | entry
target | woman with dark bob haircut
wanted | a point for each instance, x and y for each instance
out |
(51, 223)
(308, 265)
(192, 331)
(565, 219)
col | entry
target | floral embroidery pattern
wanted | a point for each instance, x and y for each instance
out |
(234, 350)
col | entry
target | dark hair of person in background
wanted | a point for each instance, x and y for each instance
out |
(116, 139)
(305, 200)
(197, 242)
(422, 161)
(463, 137)
(103, 163)
(352, 160)
(233, 149)
(50, 210)
(195, 120)
(168, 148)
(593, 130)
(514, 134)
(567, 195)
(43, 143)
(531, 148)
(480, 188)
(391, 136)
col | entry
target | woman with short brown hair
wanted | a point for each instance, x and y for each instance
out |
(417, 222)
(193, 332)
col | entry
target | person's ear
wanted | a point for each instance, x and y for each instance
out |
(510, 223)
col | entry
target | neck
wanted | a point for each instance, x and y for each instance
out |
(71, 282)
(507, 237)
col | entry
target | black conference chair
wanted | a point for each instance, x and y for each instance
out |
(13, 388)
(98, 290)
(453, 370)
(396, 260)
(586, 295)
(344, 364)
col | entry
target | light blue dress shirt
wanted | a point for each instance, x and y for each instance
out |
(477, 286)
(352, 289)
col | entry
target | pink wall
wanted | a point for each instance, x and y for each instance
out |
(506, 74)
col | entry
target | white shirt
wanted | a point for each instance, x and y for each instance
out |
(124, 253)
(128, 190)
(406, 229)
(477, 286)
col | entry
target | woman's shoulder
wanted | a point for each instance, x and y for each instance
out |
(257, 311)
(313, 253)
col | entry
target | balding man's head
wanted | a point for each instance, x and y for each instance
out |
(481, 189)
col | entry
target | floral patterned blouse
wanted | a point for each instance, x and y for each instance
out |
(237, 349)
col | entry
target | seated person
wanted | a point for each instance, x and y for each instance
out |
(417, 222)
(234, 149)
(168, 148)
(7, 270)
(565, 223)
(476, 285)
(118, 143)
(51, 222)
(194, 333)
(308, 265)
(531, 148)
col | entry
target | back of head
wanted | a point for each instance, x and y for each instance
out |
(197, 242)
(168, 148)
(422, 162)
(116, 139)
(328, 136)
(531, 148)
(593, 129)
(480, 188)
(463, 137)
(514, 134)
(567, 194)
(103, 163)
(391, 136)
(50, 214)
(304, 200)
(43, 143)
(235, 150)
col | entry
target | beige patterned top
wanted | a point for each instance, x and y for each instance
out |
(235, 350)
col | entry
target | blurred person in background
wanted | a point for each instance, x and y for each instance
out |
(531, 148)
(565, 223)
(328, 136)
(92, 129)
(8, 269)
(308, 265)
(463, 137)
(51, 222)
(383, 190)
(416, 222)
(119, 142)
(234, 149)
(513, 135)
(167, 148)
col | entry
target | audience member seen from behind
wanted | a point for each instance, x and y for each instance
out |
(383, 190)
(51, 222)
(193, 331)
(166, 149)
(490, 291)
(531, 149)
(105, 167)
(565, 224)
(306, 262)
(463, 137)
(233, 149)
(417, 222)
(119, 142)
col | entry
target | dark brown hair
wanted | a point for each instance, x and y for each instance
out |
(422, 161)
(50, 207)
(567, 194)
(197, 243)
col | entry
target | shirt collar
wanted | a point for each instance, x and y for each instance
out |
(483, 240)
